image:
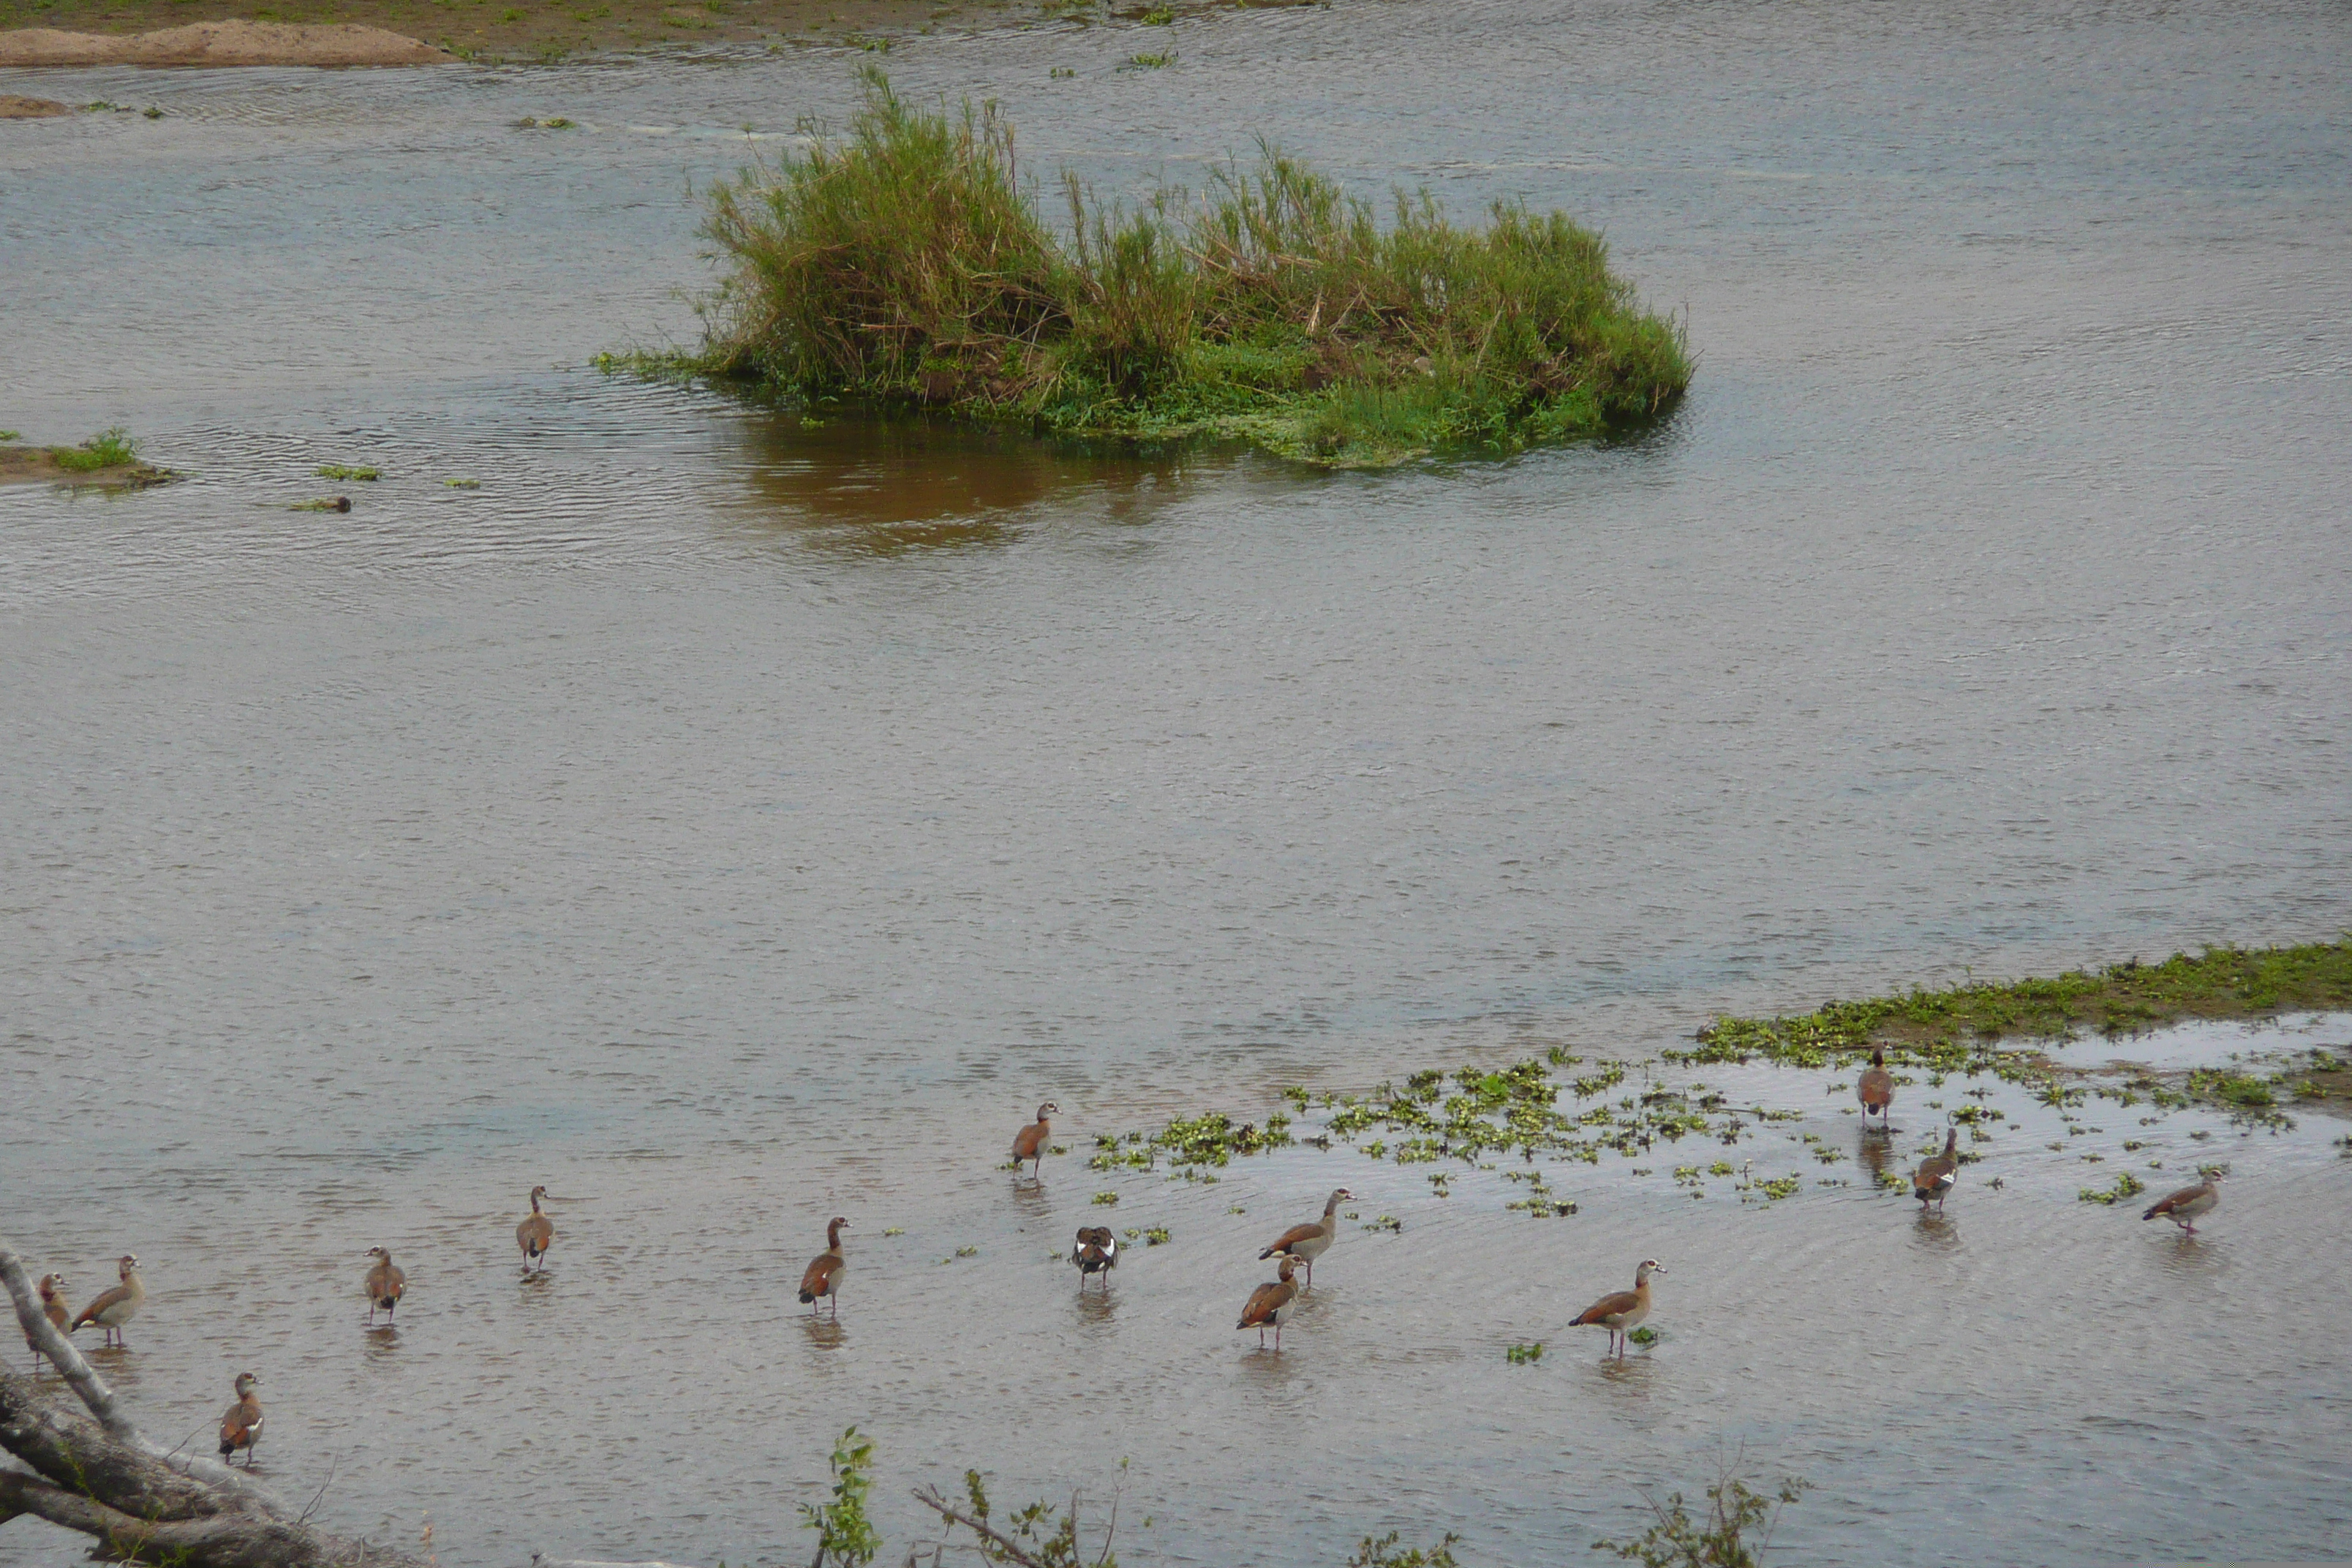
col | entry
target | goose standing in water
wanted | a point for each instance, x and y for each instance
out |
(118, 1306)
(536, 1234)
(1876, 1090)
(2185, 1208)
(823, 1277)
(1935, 1177)
(1271, 1303)
(1308, 1242)
(240, 1425)
(1029, 1143)
(53, 1308)
(386, 1285)
(1096, 1253)
(1622, 1310)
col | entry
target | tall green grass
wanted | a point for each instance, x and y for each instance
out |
(907, 260)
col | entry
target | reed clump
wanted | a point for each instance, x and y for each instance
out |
(907, 261)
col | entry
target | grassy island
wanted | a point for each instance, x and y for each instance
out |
(906, 263)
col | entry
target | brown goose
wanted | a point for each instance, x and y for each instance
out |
(385, 1284)
(1622, 1310)
(1876, 1090)
(536, 1234)
(1096, 1253)
(1308, 1242)
(118, 1306)
(1270, 1303)
(1029, 1143)
(823, 1277)
(2185, 1208)
(54, 1308)
(241, 1423)
(1937, 1175)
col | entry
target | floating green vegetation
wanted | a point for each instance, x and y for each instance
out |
(1062, 73)
(111, 449)
(1646, 1336)
(11, 436)
(1782, 1187)
(906, 262)
(1149, 62)
(1387, 1222)
(1475, 1110)
(895, 1230)
(323, 503)
(1104, 1200)
(2241, 1091)
(2126, 1185)
(463, 484)
(1523, 1355)
(555, 122)
(1157, 1235)
(345, 471)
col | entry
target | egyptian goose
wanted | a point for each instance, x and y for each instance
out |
(385, 1284)
(1096, 1253)
(1271, 1303)
(1876, 1090)
(1308, 1242)
(2184, 1207)
(118, 1306)
(1029, 1143)
(537, 1234)
(241, 1423)
(1622, 1310)
(824, 1275)
(1936, 1176)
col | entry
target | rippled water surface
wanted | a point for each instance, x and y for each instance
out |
(730, 823)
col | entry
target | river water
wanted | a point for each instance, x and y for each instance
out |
(730, 823)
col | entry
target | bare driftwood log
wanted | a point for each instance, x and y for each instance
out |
(96, 1473)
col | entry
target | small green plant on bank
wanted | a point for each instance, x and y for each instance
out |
(1383, 1553)
(845, 1538)
(1159, 16)
(1038, 1536)
(107, 449)
(1733, 1531)
(907, 261)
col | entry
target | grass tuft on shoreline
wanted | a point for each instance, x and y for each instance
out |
(906, 262)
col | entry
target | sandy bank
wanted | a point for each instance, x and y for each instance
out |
(15, 108)
(33, 465)
(221, 44)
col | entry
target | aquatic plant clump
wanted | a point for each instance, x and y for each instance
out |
(906, 262)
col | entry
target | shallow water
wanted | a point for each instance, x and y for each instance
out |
(729, 823)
